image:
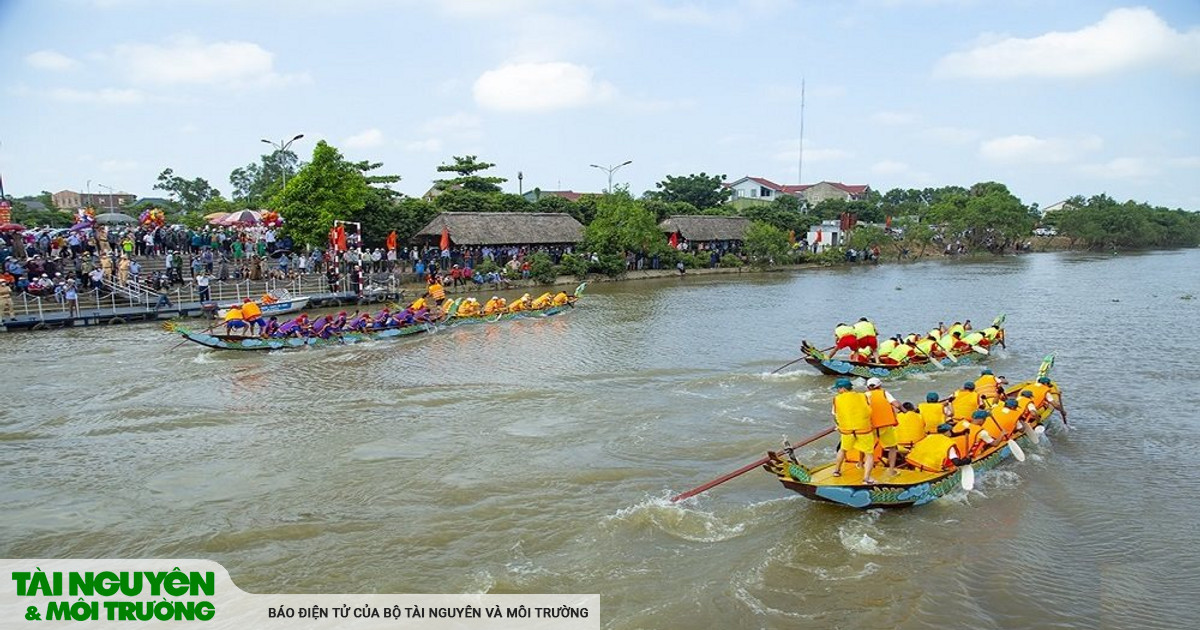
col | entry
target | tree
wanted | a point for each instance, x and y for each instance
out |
(467, 167)
(623, 225)
(255, 183)
(328, 188)
(702, 191)
(765, 244)
(663, 209)
(190, 194)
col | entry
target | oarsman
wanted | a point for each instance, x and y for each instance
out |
(866, 337)
(965, 401)
(1004, 420)
(986, 386)
(970, 436)
(883, 420)
(843, 337)
(252, 314)
(852, 415)
(1043, 395)
(233, 319)
(910, 427)
(934, 412)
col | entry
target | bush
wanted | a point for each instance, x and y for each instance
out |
(573, 265)
(611, 265)
(541, 269)
(831, 256)
(691, 261)
(730, 261)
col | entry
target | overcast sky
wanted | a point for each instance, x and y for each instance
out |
(1052, 97)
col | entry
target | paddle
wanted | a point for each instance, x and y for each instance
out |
(1016, 450)
(968, 477)
(937, 364)
(745, 469)
(981, 350)
(786, 364)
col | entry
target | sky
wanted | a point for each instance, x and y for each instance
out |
(1053, 98)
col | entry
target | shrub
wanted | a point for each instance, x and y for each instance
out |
(573, 265)
(730, 261)
(541, 269)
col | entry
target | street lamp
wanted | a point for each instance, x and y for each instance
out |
(610, 170)
(280, 147)
(110, 194)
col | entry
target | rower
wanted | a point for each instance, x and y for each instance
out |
(866, 337)
(934, 412)
(1004, 420)
(899, 355)
(852, 416)
(970, 436)
(956, 327)
(542, 301)
(935, 453)
(252, 314)
(965, 401)
(883, 419)
(986, 385)
(561, 298)
(843, 337)
(1043, 395)
(910, 427)
(233, 319)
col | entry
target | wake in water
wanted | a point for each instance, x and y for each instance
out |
(681, 520)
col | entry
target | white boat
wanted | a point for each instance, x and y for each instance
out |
(284, 303)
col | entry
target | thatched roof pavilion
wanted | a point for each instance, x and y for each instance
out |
(702, 228)
(504, 228)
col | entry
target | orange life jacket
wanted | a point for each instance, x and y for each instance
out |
(882, 412)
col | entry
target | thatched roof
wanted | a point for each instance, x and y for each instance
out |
(505, 228)
(707, 228)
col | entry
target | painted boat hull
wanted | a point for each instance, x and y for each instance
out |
(838, 367)
(907, 489)
(257, 344)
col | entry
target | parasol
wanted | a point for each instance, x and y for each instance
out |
(114, 217)
(242, 217)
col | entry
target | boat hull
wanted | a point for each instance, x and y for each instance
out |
(258, 344)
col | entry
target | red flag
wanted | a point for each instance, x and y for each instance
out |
(888, 221)
(391, 240)
(445, 238)
(674, 240)
(820, 233)
(341, 238)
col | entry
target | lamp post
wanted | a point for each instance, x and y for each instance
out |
(610, 170)
(280, 147)
(110, 194)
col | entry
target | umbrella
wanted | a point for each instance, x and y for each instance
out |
(242, 217)
(214, 218)
(114, 217)
(11, 227)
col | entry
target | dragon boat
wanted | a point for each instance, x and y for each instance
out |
(246, 342)
(831, 366)
(454, 318)
(908, 487)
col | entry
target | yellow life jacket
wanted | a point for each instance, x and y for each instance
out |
(233, 315)
(925, 346)
(991, 332)
(985, 386)
(934, 414)
(935, 333)
(886, 347)
(965, 403)
(931, 453)
(1003, 420)
(251, 311)
(956, 328)
(842, 331)
(1039, 393)
(437, 292)
(853, 413)
(542, 301)
(418, 304)
(973, 338)
(561, 298)
(946, 342)
(900, 353)
(882, 412)
(864, 329)
(966, 442)
(910, 428)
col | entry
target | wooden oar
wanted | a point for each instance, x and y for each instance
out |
(787, 364)
(744, 469)
(937, 364)
(968, 478)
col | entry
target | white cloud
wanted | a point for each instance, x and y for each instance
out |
(540, 87)
(431, 145)
(1031, 149)
(118, 166)
(107, 96)
(1124, 39)
(889, 167)
(484, 9)
(368, 138)
(1191, 161)
(50, 60)
(892, 118)
(1120, 168)
(460, 123)
(791, 154)
(952, 135)
(187, 60)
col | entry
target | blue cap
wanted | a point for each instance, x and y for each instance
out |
(843, 383)
(968, 385)
(979, 413)
(931, 397)
(1011, 403)
(1025, 393)
(986, 371)
(1045, 380)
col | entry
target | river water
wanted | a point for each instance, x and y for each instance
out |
(537, 456)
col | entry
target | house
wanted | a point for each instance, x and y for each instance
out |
(754, 190)
(716, 231)
(537, 193)
(70, 200)
(826, 234)
(1056, 207)
(502, 228)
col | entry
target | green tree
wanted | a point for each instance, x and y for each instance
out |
(328, 188)
(702, 191)
(254, 184)
(467, 167)
(766, 244)
(190, 194)
(623, 225)
(663, 209)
